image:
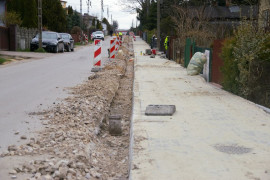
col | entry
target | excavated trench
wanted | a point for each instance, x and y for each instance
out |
(77, 140)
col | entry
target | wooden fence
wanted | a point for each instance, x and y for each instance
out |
(4, 40)
(15, 38)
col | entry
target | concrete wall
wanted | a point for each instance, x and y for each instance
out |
(24, 37)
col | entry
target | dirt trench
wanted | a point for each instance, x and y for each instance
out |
(75, 142)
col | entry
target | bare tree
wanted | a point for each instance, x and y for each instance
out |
(133, 5)
(192, 23)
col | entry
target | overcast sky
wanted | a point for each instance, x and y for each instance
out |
(116, 9)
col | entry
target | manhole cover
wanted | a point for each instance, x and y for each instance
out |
(160, 110)
(232, 149)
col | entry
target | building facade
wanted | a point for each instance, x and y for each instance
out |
(2, 11)
(64, 4)
(264, 14)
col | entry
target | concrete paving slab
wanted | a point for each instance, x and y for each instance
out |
(212, 135)
(160, 110)
(96, 69)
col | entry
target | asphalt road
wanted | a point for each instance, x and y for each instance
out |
(36, 84)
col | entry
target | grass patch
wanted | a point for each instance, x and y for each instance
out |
(40, 50)
(2, 60)
(25, 50)
(78, 44)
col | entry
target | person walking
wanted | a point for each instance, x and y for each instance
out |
(120, 35)
(111, 32)
(166, 46)
(153, 42)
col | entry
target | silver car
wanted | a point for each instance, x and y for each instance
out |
(97, 35)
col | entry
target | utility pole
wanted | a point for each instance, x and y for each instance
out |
(158, 24)
(40, 23)
(101, 10)
(147, 7)
(88, 2)
(81, 23)
(108, 12)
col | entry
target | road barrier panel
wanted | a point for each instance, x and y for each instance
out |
(97, 56)
(117, 44)
(86, 39)
(112, 49)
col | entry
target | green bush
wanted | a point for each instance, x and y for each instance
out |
(246, 58)
(229, 69)
(249, 51)
(11, 18)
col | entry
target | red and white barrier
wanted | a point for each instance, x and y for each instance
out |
(117, 44)
(86, 39)
(112, 49)
(97, 53)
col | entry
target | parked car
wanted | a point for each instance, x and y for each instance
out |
(68, 41)
(97, 35)
(51, 41)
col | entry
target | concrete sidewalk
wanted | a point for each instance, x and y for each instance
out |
(212, 135)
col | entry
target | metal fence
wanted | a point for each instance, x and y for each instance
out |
(191, 49)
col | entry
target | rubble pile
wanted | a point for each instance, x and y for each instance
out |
(76, 140)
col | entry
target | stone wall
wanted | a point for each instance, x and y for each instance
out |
(24, 37)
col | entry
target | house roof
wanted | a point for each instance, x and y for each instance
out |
(223, 12)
